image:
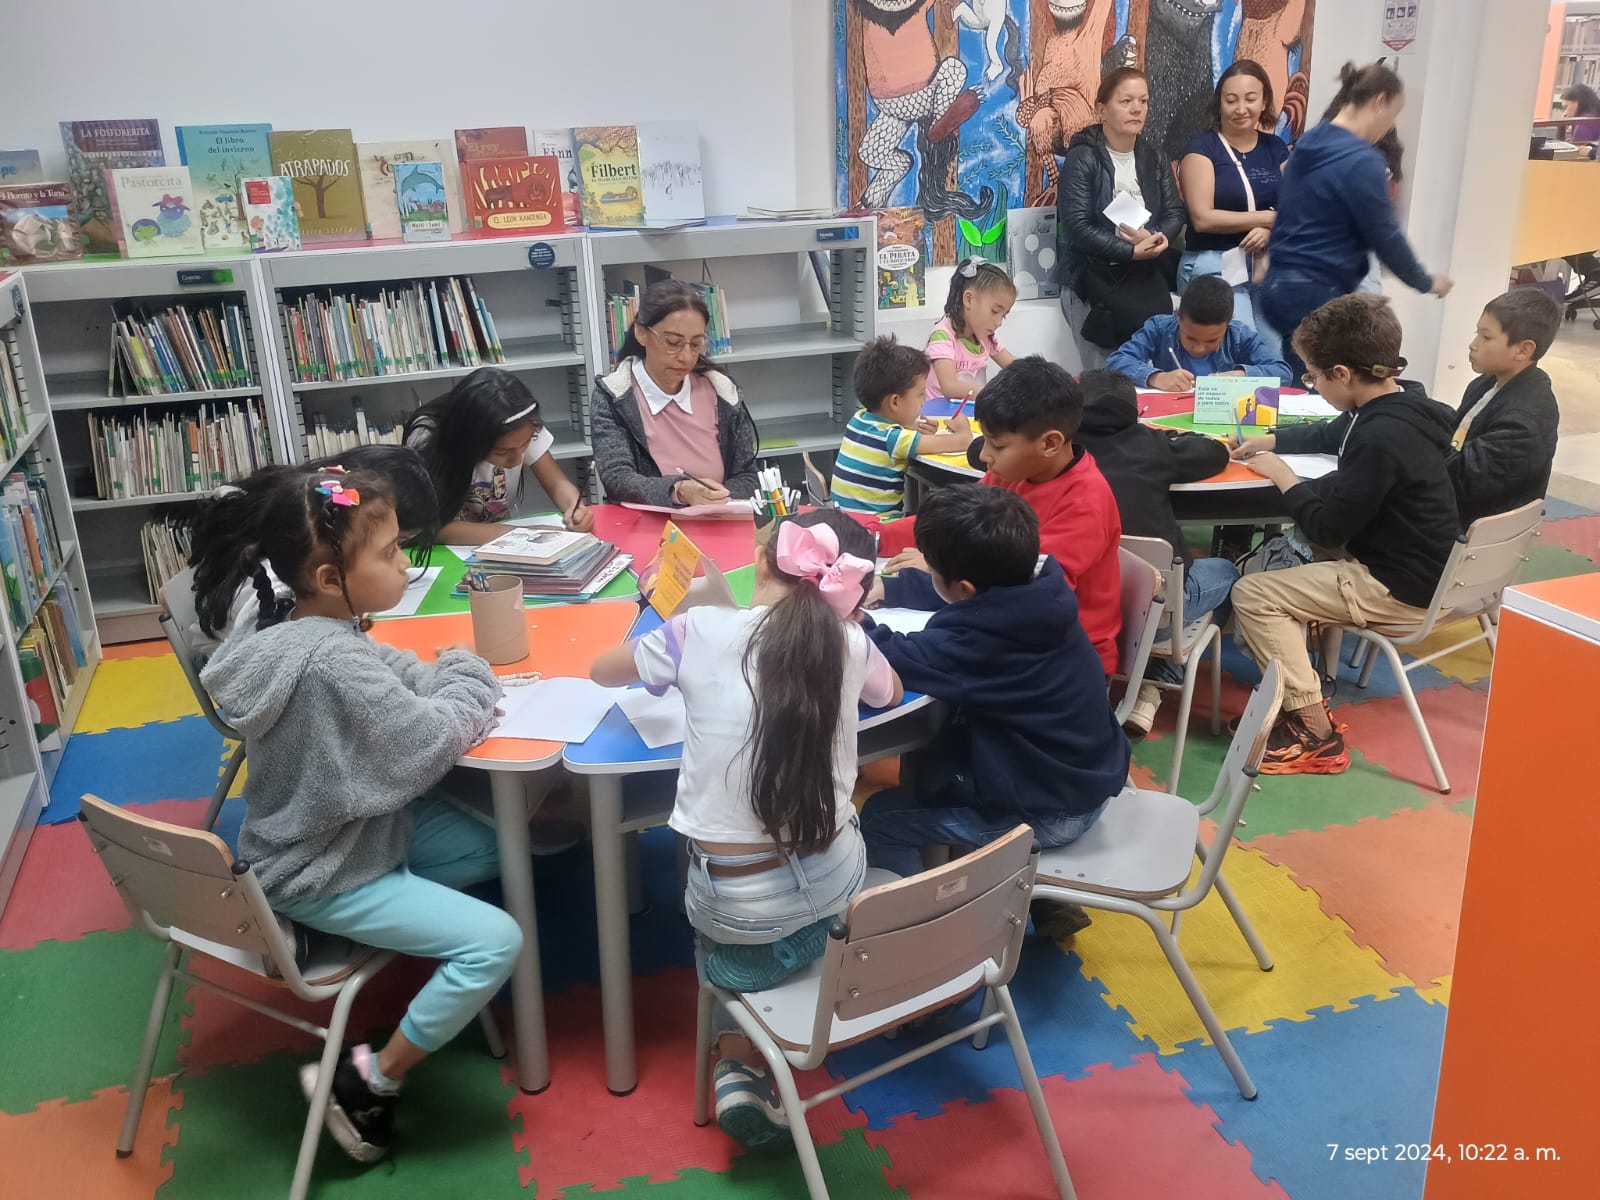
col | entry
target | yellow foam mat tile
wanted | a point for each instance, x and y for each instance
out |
(1469, 666)
(136, 691)
(1317, 965)
(1438, 992)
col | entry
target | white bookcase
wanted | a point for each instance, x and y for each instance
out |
(540, 313)
(796, 322)
(26, 768)
(73, 316)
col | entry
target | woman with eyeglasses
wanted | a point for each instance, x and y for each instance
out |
(668, 428)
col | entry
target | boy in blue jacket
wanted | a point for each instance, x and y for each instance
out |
(1168, 352)
(1031, 737)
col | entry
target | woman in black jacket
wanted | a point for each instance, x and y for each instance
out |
(1120, 275)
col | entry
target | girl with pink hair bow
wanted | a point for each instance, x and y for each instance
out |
(769, 764)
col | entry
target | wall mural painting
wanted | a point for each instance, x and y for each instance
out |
(961, 108)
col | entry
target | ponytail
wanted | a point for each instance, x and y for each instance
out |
(1362, 85)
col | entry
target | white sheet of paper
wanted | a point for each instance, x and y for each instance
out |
(416, 593)
(1235, 267)
(724, 509)
(556, 710)
(1125, 210)
(1309, 405)
(902, 620)
(1311, 466)
(658, 720)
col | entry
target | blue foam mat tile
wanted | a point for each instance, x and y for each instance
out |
(1382, 685)
(164, 760)
(1351, 1080)
(1065, 1016)
(1560, 510)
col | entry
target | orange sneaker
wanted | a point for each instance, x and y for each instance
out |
(1295, 750)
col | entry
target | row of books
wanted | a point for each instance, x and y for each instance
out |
(143, 455)
(550, 562)
(322, 440)
(51, 654)
(424, 327)
(180, 350)
(122, 196)
(14, 411)
(30, 548)
(166, 542)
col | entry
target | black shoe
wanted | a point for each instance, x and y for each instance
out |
(1058, 919)
(359, 1119)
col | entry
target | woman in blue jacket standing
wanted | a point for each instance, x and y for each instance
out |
(1334, 208)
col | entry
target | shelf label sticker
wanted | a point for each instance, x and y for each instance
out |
(840, 233)
(541, 256)
(205, 278)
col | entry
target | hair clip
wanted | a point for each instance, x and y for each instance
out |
(969, 269)
(526, 412)
(337, 493)
(336, 469)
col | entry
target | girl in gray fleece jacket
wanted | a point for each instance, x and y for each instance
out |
(345, 736)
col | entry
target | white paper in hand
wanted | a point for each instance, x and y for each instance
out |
(1124, 209)
(555, 710)
(658, 720)
(1235, 267)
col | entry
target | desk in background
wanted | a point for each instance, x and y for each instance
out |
(1560, 211)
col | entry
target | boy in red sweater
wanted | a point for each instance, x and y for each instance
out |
(1029, 413)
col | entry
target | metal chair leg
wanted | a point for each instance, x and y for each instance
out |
(220, 796)
(805, 1149)
(981, 1038)
(1246, 929)
(1030, 1084)
(1202, 1006)
(1410, 697)
(1216, 685)
(332, 1045)
(702, 1056)
(147, 1053)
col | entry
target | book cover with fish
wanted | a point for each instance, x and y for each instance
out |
(327, 181)
(92, 147)
(500, 141)
(20, 166)
(218, 157)
(422, 201)
(380, 165)
(559, 143)
(38, 223)
(152, 209)
(514, 195)
(608, 175)
(271, 217)
(902, 258)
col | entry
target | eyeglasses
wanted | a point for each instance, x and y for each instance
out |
(676, 342)
(1309, 379)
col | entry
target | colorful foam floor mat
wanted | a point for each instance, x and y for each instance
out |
(1353, 882)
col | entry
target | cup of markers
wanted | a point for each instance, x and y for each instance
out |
(772, 499)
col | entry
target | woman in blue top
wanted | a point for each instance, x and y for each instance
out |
(1334, 209)
(1230, 179)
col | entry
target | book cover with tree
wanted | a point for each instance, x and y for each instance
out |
(92, 147)
(218, 157)
(327, 181)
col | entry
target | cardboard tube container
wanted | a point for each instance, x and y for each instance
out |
(499, 621)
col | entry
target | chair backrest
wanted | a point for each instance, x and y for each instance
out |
(905, 938)
(1236, 779)
(178, 596)
(184, 885)
(1142, 610)
(1158, 552)
(1483, 563)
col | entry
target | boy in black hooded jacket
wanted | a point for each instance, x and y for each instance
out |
(1389, 508)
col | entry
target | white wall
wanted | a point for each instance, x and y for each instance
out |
(406, 68)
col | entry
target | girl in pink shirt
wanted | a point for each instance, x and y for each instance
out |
(963, 344)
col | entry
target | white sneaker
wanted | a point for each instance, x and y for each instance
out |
(1143, 716)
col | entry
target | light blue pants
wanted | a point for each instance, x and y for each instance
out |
(416, 909)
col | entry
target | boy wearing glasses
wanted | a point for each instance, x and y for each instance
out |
(1386, 517)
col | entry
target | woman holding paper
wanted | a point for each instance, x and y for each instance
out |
(1120, 217)
(1230, 181)
(668, 428)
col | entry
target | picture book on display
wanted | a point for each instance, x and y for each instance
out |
(94, 146)
(640, 176)
(327, 181)
(151, 211)
(20, 166)
(532, 546)
(218, 157)
(902, 258)
(1031, 250)
(380, 161)
(513, 195)
(559, 143)
(270, 218)
(38, 223)
(422, 201)
(500, 141)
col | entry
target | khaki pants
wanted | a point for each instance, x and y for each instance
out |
(1272, 608)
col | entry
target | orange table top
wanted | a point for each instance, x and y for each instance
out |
(1572, 604)
(562, 640)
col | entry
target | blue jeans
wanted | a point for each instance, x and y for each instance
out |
(417, 910)
(1206, 585)
(1287, 300)
(896, 828)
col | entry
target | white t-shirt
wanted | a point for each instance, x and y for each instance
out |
(701, 652)
(492, 495)
(1125, 173)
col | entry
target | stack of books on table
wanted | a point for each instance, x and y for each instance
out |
(550, 562)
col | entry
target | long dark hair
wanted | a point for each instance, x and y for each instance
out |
(1585, 97)
(1362, 85)
(460, 428)
(278, 516)
(797, 655)
(975, 275)
(659, 302)
(1250, 67)
(416, 506)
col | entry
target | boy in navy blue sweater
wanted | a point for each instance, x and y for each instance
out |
(1031, 737)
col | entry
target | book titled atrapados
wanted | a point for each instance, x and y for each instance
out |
(94, 146)
(327, 181)
(153, 211)
(218, 157)
(380, 171)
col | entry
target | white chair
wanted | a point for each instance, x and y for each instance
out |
(901, 950)
(1182, 639)
(1137, 858)
(1483, 563)
(1142, 610)
(184, 887)
(180, 617)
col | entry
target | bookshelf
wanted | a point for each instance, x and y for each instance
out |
(801, 302)
(45, 601)
(75, 308)
(540, 315)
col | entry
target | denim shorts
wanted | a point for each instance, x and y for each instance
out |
(760, 908)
